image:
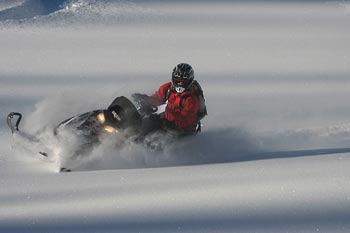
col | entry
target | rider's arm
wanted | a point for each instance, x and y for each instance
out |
(188, 116)
(159, 97)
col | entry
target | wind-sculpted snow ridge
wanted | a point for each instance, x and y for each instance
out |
(80, 12)
(101, 12)
(8, 4)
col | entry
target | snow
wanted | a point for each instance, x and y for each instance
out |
(274, 152)
(282, 195)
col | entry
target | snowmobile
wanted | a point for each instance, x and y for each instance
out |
(125, 119)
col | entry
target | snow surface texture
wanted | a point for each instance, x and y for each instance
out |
(274, 151)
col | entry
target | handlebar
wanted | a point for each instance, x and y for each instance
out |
(143, 104)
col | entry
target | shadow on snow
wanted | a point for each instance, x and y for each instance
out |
(31, 8)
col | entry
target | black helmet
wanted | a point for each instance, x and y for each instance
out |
(182, 77)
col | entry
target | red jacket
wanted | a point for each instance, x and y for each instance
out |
(184, 114)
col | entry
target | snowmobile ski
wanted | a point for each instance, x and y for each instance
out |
(14, 126)
(63, 169)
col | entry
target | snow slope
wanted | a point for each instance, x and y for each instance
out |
(274, 151)
(282, 195)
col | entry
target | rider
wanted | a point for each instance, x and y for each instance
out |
(182, 103)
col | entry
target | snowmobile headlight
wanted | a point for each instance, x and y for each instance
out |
(110, 129)
(101, 118)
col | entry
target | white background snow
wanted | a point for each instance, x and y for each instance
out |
(274, 152)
